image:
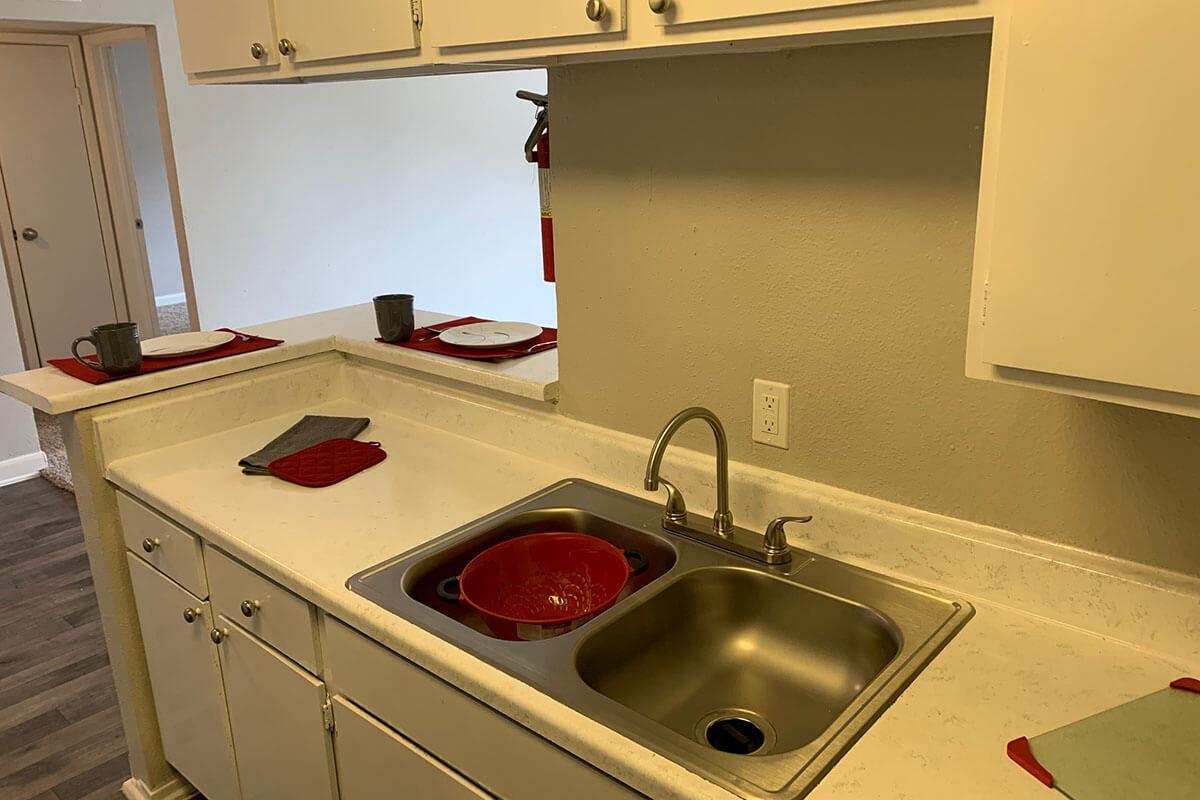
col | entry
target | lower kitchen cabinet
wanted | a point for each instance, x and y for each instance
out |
(376, 763)
(278, 715)
(185, 675)
(242, 719)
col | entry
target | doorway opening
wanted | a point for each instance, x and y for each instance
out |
(131, 117)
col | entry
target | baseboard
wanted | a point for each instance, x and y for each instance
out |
(175, 789)
(170, 299)
(22, 468)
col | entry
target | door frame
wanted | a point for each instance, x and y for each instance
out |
(8, 245)
(118, 169)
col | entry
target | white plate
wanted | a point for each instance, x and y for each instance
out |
(185, 344)
(490, 334)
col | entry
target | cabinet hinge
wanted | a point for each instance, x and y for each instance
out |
(327, 714)
(416, 13)
(983, 311)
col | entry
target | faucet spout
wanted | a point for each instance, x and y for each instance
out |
(723, 518)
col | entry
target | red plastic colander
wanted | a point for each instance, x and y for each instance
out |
(544, 584)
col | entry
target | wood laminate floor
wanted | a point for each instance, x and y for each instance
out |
(60, 731)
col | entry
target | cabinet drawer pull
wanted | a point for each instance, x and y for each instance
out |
(660, 6)
(190, 615)
(257, 51)
(250, 607)
(286, 47)
(150, 545)
(218, 635)
(596, 10)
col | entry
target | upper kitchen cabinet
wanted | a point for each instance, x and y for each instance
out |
(483, 22)
(315, 30)
(1086, 279)
(223, 35)
(682, 12)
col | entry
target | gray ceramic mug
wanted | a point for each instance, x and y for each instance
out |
(394, 316)
(118, 348)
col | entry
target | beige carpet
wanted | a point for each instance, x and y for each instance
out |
(171, 319)
(57, 470)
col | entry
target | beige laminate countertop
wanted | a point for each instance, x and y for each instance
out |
(1007, 674)
(349, 330)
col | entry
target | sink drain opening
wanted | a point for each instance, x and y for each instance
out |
(735, 735)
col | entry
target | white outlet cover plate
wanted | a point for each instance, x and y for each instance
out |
(771, 408)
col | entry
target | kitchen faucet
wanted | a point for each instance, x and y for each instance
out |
(770, 548)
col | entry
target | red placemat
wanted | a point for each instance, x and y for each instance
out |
(235, 348)
(548, 337)
(327, 463)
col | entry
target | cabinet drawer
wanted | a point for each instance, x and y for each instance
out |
(499, 752)
(164, 544)
(374, 761)
(275, 615)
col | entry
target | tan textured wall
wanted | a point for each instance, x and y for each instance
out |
(808, 217)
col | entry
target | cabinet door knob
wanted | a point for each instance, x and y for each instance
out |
(660, 6)
(257, 51)
(190, 615)
(29, 234)
(249, 607)
(286, 47)
(218, 635)
(150, 545)
(596, 10)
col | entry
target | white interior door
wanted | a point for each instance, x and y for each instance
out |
(283, 749)
(185, 675)
(64, 270)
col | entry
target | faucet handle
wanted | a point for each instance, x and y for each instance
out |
(775, 541)
(676, 509)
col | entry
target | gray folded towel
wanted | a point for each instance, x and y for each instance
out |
(305, 433)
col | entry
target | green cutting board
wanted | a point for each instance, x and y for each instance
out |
(1148, 748)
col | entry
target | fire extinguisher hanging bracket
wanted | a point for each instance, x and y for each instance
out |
(537, 151)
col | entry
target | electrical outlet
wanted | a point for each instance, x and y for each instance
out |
(771, 413)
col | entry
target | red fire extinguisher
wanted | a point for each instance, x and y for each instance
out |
(537, 151)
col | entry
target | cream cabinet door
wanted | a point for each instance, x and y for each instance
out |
(454, 23)
(219, 35)
(185, 676)
(1092, 269)
(318, 29)
(276, 712)
(682, 12)
(374, 762)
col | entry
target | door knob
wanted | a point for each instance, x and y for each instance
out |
(660, 6)
(257, 51)
(286, 47)
(150, 545)
(249, 607)
(190, 615)
(218, 635)
(596, 10)
(29, 234)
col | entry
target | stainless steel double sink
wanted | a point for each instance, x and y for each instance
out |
(758, 678)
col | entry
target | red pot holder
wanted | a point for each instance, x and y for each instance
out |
(327, 463)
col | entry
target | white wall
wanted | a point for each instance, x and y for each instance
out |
(18, 437)
(135, 88)
(305, 197)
